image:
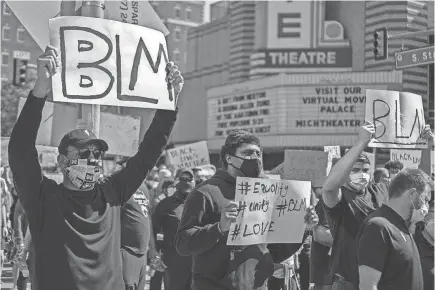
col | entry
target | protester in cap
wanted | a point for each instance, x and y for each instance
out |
(388, 257)
(381, 175)
(393, 167)
(199, 174)
(76, 226)
(348, 199)
(166, 217)
(424, 238)
(208, 213)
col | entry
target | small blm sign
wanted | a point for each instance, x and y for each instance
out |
(270, 211)
(189, 156)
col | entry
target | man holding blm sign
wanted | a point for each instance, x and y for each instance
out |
(75, 225)
(229, 219)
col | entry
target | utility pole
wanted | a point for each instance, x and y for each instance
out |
(90, 114)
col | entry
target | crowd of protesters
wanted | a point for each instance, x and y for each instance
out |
(110, 230)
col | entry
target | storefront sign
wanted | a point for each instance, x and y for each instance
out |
(321, 109)
(307, 58)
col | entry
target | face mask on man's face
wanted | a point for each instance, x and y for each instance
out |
(83, 173)
(359, 181)
(250, 167)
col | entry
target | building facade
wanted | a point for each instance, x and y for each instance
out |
(293, 72)
(179, 17)
(16, 43)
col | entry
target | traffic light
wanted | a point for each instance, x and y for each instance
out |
(20, 71)
(380, 44)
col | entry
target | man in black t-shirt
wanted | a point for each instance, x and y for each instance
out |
(388, 256)
(348, 199)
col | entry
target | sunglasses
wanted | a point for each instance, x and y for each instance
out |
(86, 153)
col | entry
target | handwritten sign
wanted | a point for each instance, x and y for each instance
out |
(273, 176)
(189, 156)
(270, 211)
(409, 158)
(398, 118)
(306, 165)
(333, 152)
(94, 71)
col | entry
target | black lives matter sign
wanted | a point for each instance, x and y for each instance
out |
(110, 63)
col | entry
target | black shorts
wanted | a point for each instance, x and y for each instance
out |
(133, 270)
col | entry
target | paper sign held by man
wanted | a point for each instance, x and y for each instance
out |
(270, 211)
(398, 118)
(111, 63)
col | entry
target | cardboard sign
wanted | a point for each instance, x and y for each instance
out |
(121, 133)
(189, 156)
(333, 152)
(279, 170)
(306, 165)
(398, 118)
(409, 158)
(93, 69)
(270, 211)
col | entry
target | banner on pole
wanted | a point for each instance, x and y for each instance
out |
(93, 69)
(398, 118)
(270, 211)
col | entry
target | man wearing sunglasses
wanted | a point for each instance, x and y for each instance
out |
(76, 225)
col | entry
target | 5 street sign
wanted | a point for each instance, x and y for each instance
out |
(415, 57)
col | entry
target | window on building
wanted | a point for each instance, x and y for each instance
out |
(176, 55)
(6, 9)
(177, 11)
(5, 58)
(5, 77)
(177, 33)
(188, 13)
(21, 34)
(6, 32)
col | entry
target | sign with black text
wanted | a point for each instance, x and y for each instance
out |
(270, 211)
(189, 156)
(94, 70)
(398, 118)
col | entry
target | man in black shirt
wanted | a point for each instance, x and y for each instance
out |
(348, 199)
(388, 257)
(76, 225)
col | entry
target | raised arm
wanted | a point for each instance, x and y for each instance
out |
(193, 237)
(128, 180)
(426, 160)
(331, 193)
(23, 156)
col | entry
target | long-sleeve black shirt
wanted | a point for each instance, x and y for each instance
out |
(77, 233)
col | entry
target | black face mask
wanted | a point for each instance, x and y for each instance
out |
(250, 167)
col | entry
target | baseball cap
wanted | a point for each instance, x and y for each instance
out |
(183, 170)
(80, 138)
(363, 158)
